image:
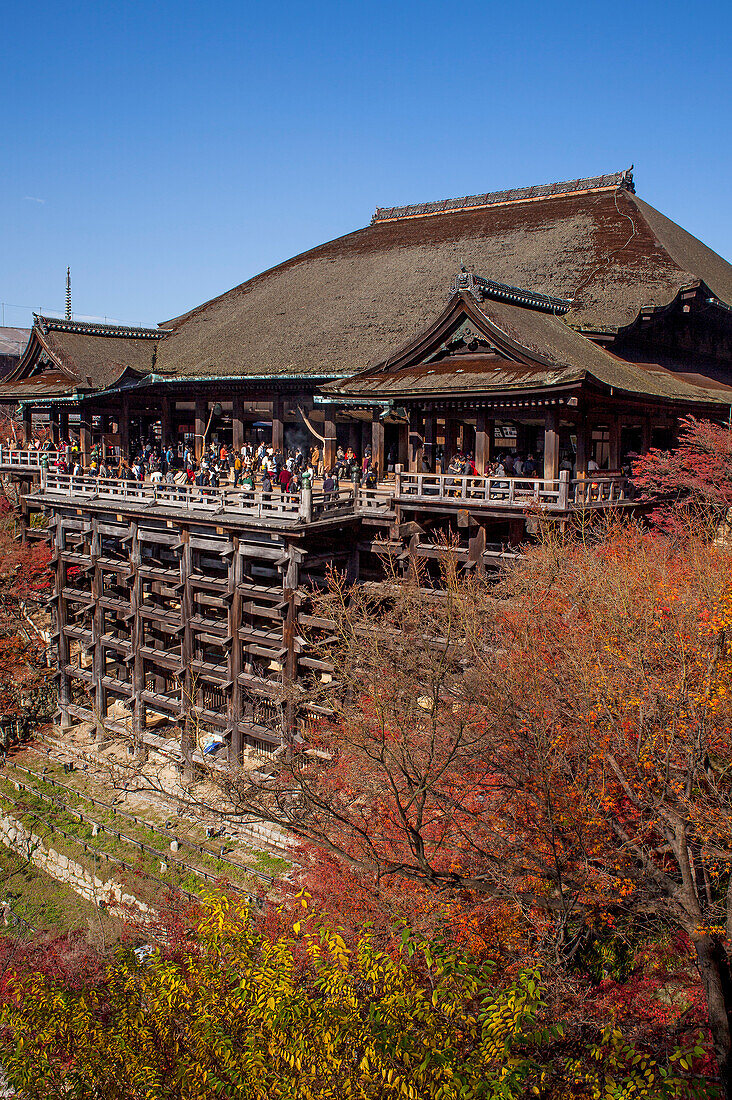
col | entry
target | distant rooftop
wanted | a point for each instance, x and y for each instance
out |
(95, 328)
(13, 340)
(501, 198)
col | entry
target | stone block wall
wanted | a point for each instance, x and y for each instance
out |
(28, 845)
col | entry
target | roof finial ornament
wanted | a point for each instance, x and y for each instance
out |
(466, 281)
(68, 293)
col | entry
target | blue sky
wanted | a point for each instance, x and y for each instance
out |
(167, 151)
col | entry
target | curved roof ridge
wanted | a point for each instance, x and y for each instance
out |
(96, 328)
(500, 198)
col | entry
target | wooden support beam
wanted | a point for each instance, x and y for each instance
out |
(237, 422)
(482, 442)
(365, 438)
(53, 416)
(403, 446)
(582, 448)
(278, 426)
(290, 582)
(136, 635)
(646, 434)
(124, 427)
(416, 441)
(234, 669)
(200, 426)
(430, 441)
(476, 549)
(97, 590)
(614, 447)
(60, 626)
(331, 441)
(551, 444)
(165, 437)
(188, 687)
(378, 458)
(451, 434)
(85, 435)
(24, 489)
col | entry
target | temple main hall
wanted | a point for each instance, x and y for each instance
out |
(569, 323)
(611, 319)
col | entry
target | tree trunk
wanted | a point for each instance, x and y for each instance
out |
(715, 975)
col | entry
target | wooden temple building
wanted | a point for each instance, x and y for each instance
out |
(572, 322)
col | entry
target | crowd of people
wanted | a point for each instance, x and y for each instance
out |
(261, 466)
(510, 464)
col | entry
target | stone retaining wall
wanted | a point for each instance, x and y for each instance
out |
(28, 845)
(262, 835)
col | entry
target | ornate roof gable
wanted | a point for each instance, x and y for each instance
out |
(463, 328)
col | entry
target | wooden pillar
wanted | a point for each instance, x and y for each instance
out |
(165, 422)
(331, 441)
(403, 445)
(237, 422)
(290, 583)
(451, 431)
(97, 591)
(440, 462)
(614, 459)
(62, 641)
(27, 424)
(136, 635)
(200, 426)
(482, 442)
(124, 428)
(85, 441)
(646, 436)
(582, 449)
(53, 415)
(429, 441)
(278, 426)
(188, 729)
(234, 660)
(551, 444)
(63, 424)
(354, 437)
(24, 489)
(377, 443)
(416, 441)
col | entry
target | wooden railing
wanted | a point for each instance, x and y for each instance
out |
(338, 502)
(196, 498)
(377, 500)
(560, 494)
(514, 493)
(600, 489)
(16, 459)
(509, 492)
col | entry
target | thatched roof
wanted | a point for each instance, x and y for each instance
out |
(63, 358)
(350, 303)
(347, 304)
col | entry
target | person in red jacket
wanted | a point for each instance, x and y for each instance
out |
(284, 480)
